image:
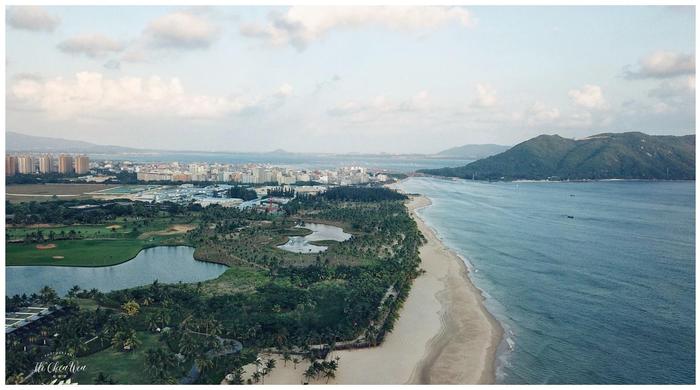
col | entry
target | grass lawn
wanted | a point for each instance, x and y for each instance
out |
(85, 253)
(87, 231)
(124, 367)
(236, 279)
(102, 245)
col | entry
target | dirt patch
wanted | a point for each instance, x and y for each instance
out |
(45, 246)
(57, 257)
(114, 227)
(172, 230)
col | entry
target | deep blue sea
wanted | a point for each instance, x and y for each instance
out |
(607, 296)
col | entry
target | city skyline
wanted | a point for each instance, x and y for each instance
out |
(357, 79)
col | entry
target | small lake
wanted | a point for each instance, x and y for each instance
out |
(167, 264)
(321, 232)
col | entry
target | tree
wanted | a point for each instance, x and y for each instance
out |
(73, 292)
(125, 340)
(296, 361)
(286, 357)
(104, 379)
(48, 295)
(159, 362)
(131, 308)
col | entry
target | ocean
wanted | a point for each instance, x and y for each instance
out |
(593, 282)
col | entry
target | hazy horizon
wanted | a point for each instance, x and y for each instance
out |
(395, 80)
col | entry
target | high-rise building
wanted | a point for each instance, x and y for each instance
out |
(25, 165)
(10, 165)
(65, 164)
(82, 165)
(45, 164)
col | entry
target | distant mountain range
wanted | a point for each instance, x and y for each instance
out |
(631, 155)
(29, 143)
(473, 152)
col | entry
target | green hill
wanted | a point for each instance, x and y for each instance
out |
(603, 156)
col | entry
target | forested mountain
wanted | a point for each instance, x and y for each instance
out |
(631, 155)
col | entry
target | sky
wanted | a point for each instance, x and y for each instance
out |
(346, 79)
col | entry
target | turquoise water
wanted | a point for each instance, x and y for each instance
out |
(167, 264)
(607, 296)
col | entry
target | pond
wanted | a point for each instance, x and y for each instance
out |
(167, 264)
(321, 232)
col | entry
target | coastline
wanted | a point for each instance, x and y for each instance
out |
(444, 334)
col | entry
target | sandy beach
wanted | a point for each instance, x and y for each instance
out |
(444, 334)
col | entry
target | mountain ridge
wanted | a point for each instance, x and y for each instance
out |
(630, 155)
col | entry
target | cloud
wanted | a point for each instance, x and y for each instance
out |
(540, 114)
(381, 105)
(112, 64)
(674, 95)
(91, 45)
(590, 96)
(91, 94)
(181, 30)
(31, 18)
(485, 96)
(300, 25)
(663, 64)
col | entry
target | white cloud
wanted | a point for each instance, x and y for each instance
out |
(589, 96)
(93, 95)
(91, 45)
(540, 114)
(673, 95)
(31, 18)
(663, 64)
(380, 105)
(181, 30)
(301, 25)
(485, 96)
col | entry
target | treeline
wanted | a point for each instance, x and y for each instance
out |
(65, 212)
(281, 192)
(361, 194)
(242, 193)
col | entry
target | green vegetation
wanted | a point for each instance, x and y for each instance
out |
(603, 156)
(242, 193)
(269, 299)
(90, 233)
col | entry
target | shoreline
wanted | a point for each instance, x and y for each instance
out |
(444, 334)
(464, 352)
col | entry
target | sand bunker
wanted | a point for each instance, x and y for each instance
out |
(45, 246)
(114, 227)
(57, 257)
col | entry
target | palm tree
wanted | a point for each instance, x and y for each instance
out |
(256, 376)
(188, 345)
(158, 363)
(296, 361)
(203, 362)
(73, 291)
(48, 295)
(131, 308)
(286, 357)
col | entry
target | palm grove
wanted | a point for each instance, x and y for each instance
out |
(300, 306)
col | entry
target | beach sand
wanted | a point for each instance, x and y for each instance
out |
(444, 334)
